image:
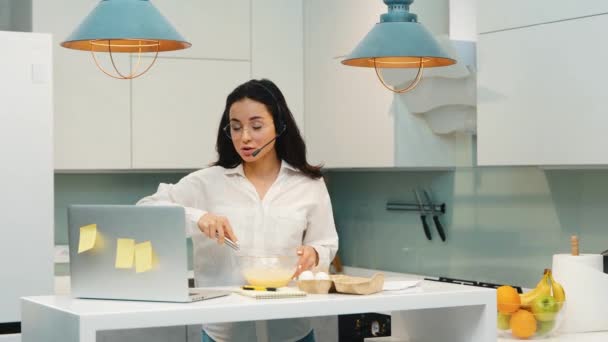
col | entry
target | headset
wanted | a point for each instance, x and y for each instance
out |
(281, 124)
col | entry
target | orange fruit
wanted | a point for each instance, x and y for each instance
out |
(523, 324)
(508, 299)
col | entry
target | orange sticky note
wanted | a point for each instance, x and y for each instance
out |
(125, 253)
(88, 235)
(143, 257)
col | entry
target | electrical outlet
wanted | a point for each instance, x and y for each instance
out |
(62, 254)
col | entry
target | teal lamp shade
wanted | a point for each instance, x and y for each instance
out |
(398, 41)
(398, 45)
(125, 26)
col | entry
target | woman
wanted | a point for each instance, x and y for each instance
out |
(261, 193)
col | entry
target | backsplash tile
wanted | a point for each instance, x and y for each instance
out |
(503, 224)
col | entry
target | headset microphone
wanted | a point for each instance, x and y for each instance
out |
(256, 152)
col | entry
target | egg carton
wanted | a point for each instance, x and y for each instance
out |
(343, 284)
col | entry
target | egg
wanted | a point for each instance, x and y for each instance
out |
(306, 275)
(321, 276)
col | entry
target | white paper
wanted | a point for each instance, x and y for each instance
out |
(398, 285)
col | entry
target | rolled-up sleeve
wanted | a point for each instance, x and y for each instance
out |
(187, 193)
(321, 231)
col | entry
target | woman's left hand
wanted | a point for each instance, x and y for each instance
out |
(309, 258)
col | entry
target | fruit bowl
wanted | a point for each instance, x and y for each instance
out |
(535, 314)
(540, 320)
(268, 270)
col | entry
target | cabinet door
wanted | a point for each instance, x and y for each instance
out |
(92, 115)
(176, 111)
(277, 54)
(216, 29)
(542, 96)
(347, 111)
(494, 15)
(350, 116)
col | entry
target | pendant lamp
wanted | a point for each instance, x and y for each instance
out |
(125, 26)
(398, 41)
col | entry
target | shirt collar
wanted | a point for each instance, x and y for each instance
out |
(239, 169)
(286, 165)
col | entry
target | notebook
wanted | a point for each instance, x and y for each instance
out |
(282, 292)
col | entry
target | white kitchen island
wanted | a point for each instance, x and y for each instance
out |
(435, 312)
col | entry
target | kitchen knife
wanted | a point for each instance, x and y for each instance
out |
(438, 224)
(425, 225)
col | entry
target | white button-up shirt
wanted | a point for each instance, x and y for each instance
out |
(295, 211)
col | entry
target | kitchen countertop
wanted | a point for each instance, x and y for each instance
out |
(467, 310)
(62, 288)
(582, 337)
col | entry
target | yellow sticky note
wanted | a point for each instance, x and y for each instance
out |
(88, 235)
(125, 252)
(143, 257)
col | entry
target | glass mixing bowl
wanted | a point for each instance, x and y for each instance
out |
(268, 270)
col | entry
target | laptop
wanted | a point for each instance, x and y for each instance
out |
(149, 263)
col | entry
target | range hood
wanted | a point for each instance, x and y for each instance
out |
(446, 97)
(435, 123)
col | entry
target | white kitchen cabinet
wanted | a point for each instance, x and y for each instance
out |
(167, 119)
(94, 119)
(176, 111)
(494, 15)
(542, 96)
(92, 115)
(277, 49)
(352, 121)
(347, 120)
(216, 29)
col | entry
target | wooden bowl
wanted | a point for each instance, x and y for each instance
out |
(315, 286)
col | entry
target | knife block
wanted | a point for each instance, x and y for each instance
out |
(586, 287)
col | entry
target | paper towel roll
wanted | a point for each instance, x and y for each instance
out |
(594, 261)
(586, 287)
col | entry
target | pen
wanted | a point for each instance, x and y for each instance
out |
(259, 288)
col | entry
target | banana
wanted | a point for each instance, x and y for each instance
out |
(558, 291)
(542, 288)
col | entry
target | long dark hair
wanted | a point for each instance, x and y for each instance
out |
(290, 146)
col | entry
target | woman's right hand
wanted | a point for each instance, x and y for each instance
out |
(216, 227)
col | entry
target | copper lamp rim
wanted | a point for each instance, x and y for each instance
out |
(157, 44)
(399, 62)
